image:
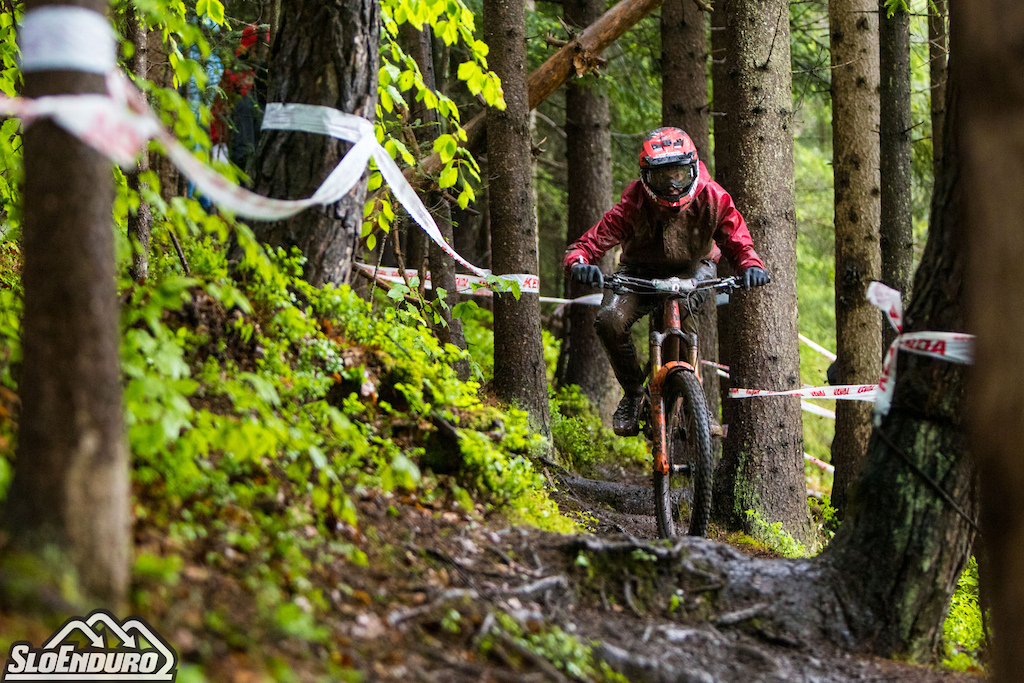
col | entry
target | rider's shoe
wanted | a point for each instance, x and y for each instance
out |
(626, 419)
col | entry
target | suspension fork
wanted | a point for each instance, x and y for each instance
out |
(662, 367)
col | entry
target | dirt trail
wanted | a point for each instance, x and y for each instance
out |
(474, 571)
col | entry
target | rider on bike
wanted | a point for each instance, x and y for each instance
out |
(675, 221)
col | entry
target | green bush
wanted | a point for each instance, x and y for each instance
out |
(580, 438)
(963, 635)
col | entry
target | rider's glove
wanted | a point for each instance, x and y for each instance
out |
(587, 274)
(755, 277)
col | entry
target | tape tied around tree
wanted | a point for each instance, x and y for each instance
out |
(67, 38)
(954, 347)
(120, 125)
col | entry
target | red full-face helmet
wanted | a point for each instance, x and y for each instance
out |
(668, 167)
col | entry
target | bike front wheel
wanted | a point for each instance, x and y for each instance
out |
(688, 431)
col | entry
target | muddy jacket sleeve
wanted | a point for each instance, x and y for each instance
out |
(616, 225)
(732, 236)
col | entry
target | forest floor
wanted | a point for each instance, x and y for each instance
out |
(448, 595)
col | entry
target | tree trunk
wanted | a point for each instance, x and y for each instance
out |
(854, 30)
(589, 158)
(762, 465)
(902, 546)
(140, 223)
(720, 121)
(442, 267)
(70, 489)
(324, 54)
(991, 130)
(684, 104)
(519, 371)
(159, 71)
(896, 233)
(560, 66)
(938, 53)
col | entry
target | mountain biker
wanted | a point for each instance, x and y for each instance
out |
(674, 221)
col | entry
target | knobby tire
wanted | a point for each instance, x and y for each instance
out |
(688, 431)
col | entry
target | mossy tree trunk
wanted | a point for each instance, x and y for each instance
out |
(520, 377)
(903, 544)
(762, 466)
(853, 26)
(70, 490)
(993, 143)
(325, 53)
(589, 159)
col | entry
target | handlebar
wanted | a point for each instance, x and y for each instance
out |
(669, 286)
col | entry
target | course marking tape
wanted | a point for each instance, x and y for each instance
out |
(852, 392)
(106, 124)
(815, 409)
(817, 347)
(955, 347)
(66, 38)
(820, 463)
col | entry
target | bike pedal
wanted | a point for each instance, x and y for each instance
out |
(681, 469)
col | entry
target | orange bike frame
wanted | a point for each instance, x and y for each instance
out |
(660, 372)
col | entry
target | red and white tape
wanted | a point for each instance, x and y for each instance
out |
(120, 125)
(853, 392)
(473, 285)
(955, 347)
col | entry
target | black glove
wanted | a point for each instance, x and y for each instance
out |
(755, 277)
(587, 274)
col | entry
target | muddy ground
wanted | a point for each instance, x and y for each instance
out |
(477, 568)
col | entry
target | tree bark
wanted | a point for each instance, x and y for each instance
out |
(589, 157)
(442, 267)
(938, 53)
(560, 66)
(762, 465)
(720, 84)
(896, 234)
(159, 71)
(140, 223)
(991, 130)
(70, 489)
(519, 371)
(324, 54)
(854, 30)
(684, 104)
(902, 546)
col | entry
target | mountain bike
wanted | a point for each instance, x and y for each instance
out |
(675, 412)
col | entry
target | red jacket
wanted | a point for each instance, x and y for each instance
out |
(662, 241)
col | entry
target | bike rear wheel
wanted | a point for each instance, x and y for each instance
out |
(688, 431)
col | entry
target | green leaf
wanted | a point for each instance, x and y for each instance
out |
(406, 80)
(467, 70)
(448, 177)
